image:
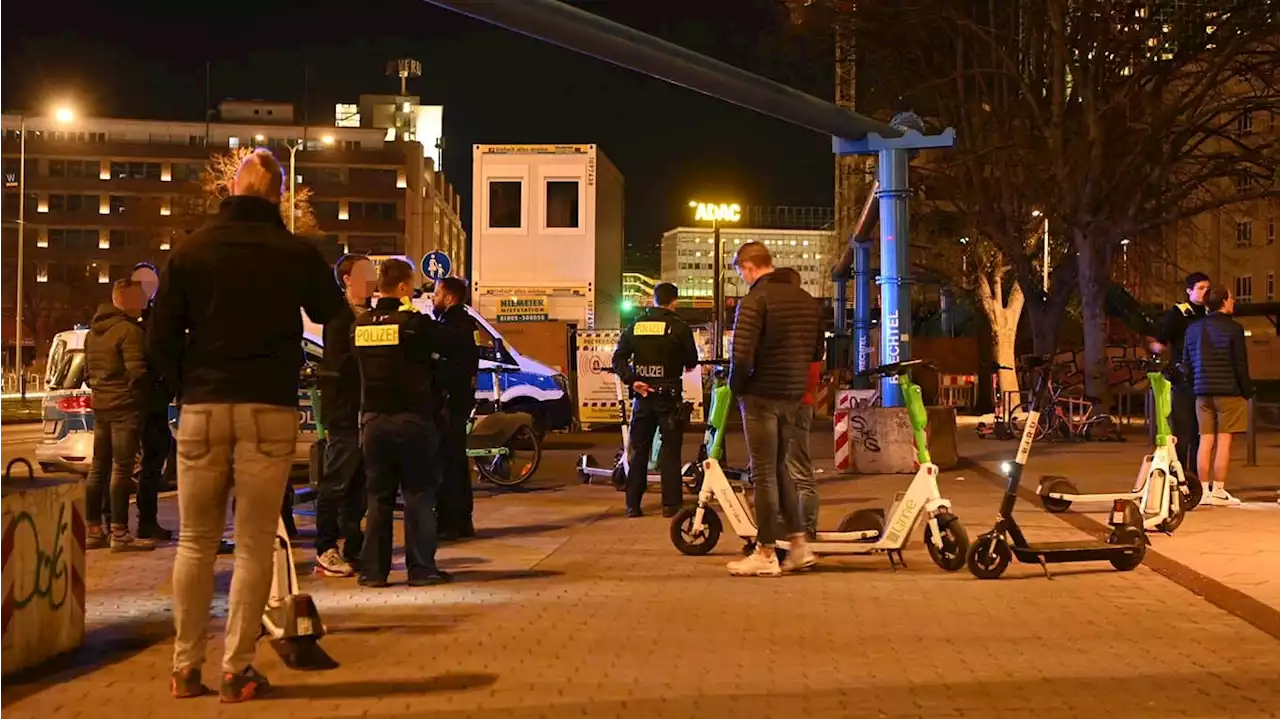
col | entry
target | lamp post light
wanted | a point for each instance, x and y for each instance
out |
(716, 214)
(62, 115)
(1038, 213)
(293, 178)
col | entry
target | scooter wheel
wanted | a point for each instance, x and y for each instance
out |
(1127, 535)
(1056, 485)
(1177, 512)
(988, 557)
(864, 520)
(619, 477)
(955, 543)
(695, 543)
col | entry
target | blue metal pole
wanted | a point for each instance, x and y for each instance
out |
(895, 272)
(862, 308)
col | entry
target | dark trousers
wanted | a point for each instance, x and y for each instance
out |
(649, 414)
(769, 425)
(400, 453)
(115, 452)
(158, 448)
(340, 496)
(456, 496)
(1186, 427)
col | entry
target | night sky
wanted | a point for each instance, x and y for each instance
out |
(132, 58)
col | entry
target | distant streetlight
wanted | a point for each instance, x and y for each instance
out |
(62, 115)
(716, 214)
(259, 138)
(293, 177)
(1038, 213)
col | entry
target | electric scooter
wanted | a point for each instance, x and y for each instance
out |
(999, 427)
(291, 618)
(589, 468)
(696, 530)
(1161, 489)
(991, 554)
(503, 444)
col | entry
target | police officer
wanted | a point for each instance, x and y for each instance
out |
(652, 357)
(399, 410)
(1170, 333)
(459, 366)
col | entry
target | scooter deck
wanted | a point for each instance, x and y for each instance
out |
(847, 543)
(1072, 551)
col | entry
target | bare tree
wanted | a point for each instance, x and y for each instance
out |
(221, 171)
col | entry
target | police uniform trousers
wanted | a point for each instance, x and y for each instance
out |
(400, 452)
(1186, 427)
(662, 411)
(456, 495)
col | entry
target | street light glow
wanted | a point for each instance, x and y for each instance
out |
(258, 138)
(327, 140)
(1036, 213)
(64, 114)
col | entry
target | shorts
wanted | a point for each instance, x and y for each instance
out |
(1222, 415)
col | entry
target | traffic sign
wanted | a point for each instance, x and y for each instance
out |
(436, 265)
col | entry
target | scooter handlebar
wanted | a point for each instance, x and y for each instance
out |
(894, 368)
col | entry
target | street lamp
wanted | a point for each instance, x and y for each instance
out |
(716, 214)
(1038, 213)
(293, 177)
(62, 115)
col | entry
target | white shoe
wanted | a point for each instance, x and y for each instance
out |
(799, 558)
(757, 564)
(1222, 498)
(332, 564)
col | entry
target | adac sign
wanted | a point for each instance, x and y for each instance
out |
(706, 211)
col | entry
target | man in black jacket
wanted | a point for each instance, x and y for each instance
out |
(157, 441)
(652, 356)
(226, 333)
(1219, 361)
(117, 370)
(340, 498)
(776, 336)
(458, 366)
(1169, 335)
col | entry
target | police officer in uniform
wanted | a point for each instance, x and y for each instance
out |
(459, 366)
(1170, 333)
(400, 412)
(652, 357)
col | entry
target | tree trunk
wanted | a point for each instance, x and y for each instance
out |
(1094, 280)
(1003, 316)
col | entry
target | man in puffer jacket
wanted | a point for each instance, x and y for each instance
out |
(117, 369)
(777, 335)
(1215, 351)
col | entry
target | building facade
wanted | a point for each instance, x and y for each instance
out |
(547, 234)
(687, 258)
(638, 289)
(102, 194)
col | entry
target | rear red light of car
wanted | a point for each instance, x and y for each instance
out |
(78, 404)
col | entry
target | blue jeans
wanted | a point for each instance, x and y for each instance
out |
(800, 466)
(115, 452)
(769, 425)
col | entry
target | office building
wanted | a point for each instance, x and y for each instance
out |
(687, 258)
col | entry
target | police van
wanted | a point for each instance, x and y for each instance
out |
(66, 443)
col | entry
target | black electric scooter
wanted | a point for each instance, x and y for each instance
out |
(991, 554)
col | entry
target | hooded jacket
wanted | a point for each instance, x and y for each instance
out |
(117, 365)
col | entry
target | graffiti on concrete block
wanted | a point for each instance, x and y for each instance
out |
(40, 572)
(863, 433)
(1123, 374)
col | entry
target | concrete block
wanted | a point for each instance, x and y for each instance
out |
(881, 441)
(43, 570)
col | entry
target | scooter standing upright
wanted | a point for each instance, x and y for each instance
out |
(1161, 489)
(696, 530)
(990, 555)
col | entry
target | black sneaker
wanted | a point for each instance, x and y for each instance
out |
(186, 683)
(435, 577)
(154, 531)
(372, 582)
(634, 512)
(243, 686)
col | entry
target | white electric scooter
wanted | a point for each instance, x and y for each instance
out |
(589, 468)
(695, 530)
(291, 618)
(1162, 490)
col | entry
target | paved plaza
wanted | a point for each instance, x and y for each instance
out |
(564, 608)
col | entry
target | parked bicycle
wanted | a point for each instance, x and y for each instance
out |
(1069, 418)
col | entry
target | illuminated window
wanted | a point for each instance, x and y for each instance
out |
(233, 142)
(1244, 288)
(42, 204)
(42, 272)
(104, 276)
(347, 114)
(166, 172)
(164, 244)
(42, 239)
(1271, 231)
(104, 241)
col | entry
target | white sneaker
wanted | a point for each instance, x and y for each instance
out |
(799, 558)
(1222, 498)
(757, 564)
(332, 564)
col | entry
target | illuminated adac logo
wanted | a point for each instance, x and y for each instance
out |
(709, 212)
